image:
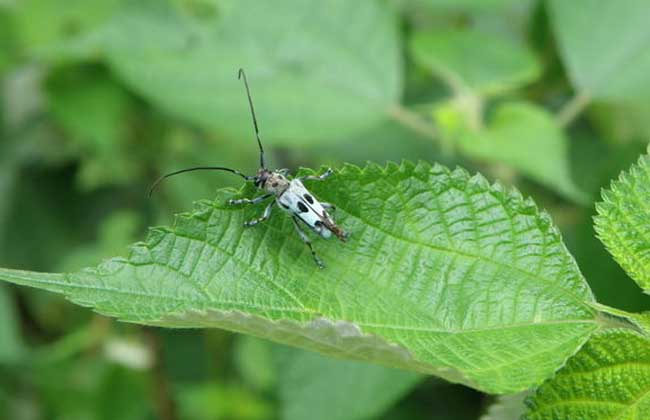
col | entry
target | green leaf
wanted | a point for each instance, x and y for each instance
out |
(479, 5)
(507, 407)
(527, 138)
(482, 62)
(622, 221)
(605, 59)
(318, 388)
(317, 69)
(608, 379)
(101, 136)
(60, 30)
(444, 274)
(11, 345)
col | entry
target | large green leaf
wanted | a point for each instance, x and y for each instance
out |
(622, 221)
(318, 388)
(444, 274)
(469, 59)
(317, 69)
(608, 379)
(606, 45)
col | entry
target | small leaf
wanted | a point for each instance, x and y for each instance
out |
(482, 62)
(622, 221)
(318, 388)
(608, 379)
(444, 274)
(519, 134)
(605, 59)
(317, 69)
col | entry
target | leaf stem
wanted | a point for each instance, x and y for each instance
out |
(573, 108)
(413, 121)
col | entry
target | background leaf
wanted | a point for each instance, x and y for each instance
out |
(622, 221)
(517, 135)
(287, 48)
(479, 61)
(507, 407)
(319, 388)
(605, 59)
(11, 347)
(416, 294)
(607, 379)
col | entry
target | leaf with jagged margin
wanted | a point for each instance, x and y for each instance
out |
(605, 58)
(507, 407)
(444, 274)
(468, 59)
(318, 69)
(623, 221)
(609, 378)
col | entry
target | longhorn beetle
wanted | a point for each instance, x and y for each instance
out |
(290, 194)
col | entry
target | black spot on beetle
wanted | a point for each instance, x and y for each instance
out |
(284, 206)
(318, 223)
(309, 198)
(274, 184)
(302, 207)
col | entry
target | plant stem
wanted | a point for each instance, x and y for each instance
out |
(413, 121)
(573, 108)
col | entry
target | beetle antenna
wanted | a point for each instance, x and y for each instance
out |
(250, 102)
(198, 168)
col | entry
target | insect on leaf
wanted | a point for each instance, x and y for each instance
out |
(443, 274)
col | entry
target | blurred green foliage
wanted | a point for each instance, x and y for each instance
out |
(99, 98)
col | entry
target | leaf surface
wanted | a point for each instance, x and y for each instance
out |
(622, 221)
(444, 274)
(317, 69)
(518, 134)
(507, 407)
(605, 59)
(608, 379)
(315, 387)
(482, 62)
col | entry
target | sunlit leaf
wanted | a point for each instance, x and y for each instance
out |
(443, 274)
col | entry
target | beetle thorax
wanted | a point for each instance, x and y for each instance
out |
(275, 183)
